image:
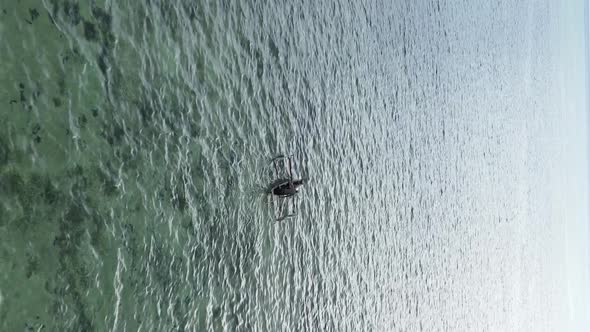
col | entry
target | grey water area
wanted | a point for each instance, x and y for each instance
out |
(135, 148)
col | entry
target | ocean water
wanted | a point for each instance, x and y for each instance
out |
(135, 148)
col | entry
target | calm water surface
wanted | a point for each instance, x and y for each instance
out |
(135, 142)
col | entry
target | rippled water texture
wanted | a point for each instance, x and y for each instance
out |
(135, 143)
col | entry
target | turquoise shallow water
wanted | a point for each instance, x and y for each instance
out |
(135, 143)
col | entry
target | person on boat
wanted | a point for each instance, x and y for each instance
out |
(287, 188)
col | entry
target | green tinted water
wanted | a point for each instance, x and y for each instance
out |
(134, 156)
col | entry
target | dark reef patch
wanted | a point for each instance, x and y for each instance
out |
(90, 32)
(61, 85)
(36, 128)
(21, 88)
(33, 13)
(73, 276)
(75, 215)
(274, 50)
(35, 133)
(72, 12)
(11, 183)
(82, 121)
(4, 152)
(113, 134)
(56, 102)
(103, 18)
